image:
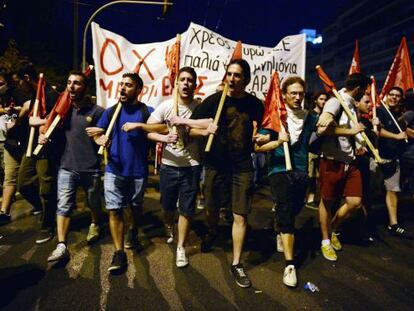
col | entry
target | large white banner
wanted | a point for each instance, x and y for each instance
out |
(204, 50)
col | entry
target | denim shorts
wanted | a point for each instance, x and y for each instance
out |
(121, 191)
(182, 184)
(69, 181)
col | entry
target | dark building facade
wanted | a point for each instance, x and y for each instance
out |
(377, 25)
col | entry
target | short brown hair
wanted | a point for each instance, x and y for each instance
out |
(292, 80)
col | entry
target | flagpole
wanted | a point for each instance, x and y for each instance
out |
(163, 3)
(35, 113)
(347, 111)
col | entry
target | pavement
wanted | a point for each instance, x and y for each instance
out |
(375, 277)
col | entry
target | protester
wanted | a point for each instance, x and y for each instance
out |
(339, 174)
(391, 144)
(36, 180)
(312, 198)
(180, 164)
(289, 186)
(366, 165)
(79, 165)
(127, 169)
(229, 167)
(10, 145)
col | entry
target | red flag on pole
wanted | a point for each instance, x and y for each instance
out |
(41, 98)
(275, 114)
(63, 104)
(237, 54)
(355, 65)
(328, 85)
(172, 59)
(400, 73)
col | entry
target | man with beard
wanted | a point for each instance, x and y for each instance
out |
(127, 169)
(339, 174)
(228, 166)
(390, 144)
(79, 165)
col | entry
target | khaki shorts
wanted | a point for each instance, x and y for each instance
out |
(11, 167)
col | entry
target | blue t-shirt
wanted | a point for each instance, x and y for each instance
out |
(128, 152)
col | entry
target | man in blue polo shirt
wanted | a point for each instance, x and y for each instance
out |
(127, 170)
(79, 164)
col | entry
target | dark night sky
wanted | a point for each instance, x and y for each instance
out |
(43, 29)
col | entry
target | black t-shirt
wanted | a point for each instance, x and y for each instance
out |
(19, 134)
(409, 149)
(232, 146)
(80, 153)
(389, 148)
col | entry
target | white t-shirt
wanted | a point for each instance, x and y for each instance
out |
(185, 153)
(340, 148)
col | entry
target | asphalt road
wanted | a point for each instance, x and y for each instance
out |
(375, 277)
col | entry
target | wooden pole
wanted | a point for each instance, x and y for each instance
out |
(111, 125)
(47, 134)
(392, 118)
(355, 122)
(217, 116)
(374, 101)
(35, 113)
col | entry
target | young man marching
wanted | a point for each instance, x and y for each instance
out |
(289, 186)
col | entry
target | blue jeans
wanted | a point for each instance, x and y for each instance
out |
(179, 183)
(69, 181)
(121, 191)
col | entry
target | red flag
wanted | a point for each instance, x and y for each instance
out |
(172, 59)
(40, 96)
(237, 54)
(355, 65)
(328, 85)
(63, 103)
(88, 71)
(400, 73)
(275, 114)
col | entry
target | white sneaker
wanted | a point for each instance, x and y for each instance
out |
(61, 252)
(169, 232)
(289, 276)
(279, 243)
(181, 259)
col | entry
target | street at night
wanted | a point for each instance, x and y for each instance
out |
(375, 277)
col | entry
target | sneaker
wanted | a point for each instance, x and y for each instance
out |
(119, 262)
(200, 204)
(169, 234)
(207, 243)
(36, 211)
(240, 276)
(279, 243)
(181, 260)
(44, 236)
(312, 205)
(336, 244)
(289, 276)
(93, 233)
(328, 252)
(397, 230)
(131, 239)
(60, 253)
(4, 218)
